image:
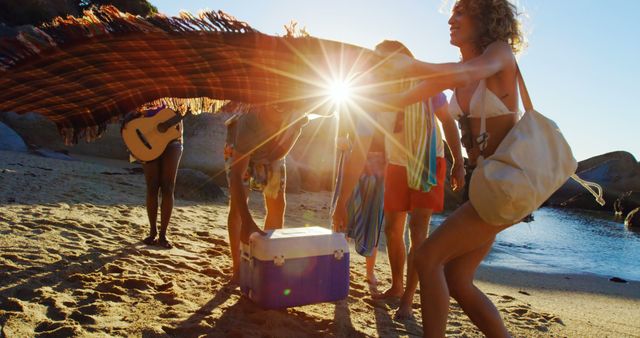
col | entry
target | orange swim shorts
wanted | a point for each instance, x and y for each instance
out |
(398, 196)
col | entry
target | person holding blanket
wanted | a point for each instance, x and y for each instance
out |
(488, 34)
(257, 143)
(414, 178)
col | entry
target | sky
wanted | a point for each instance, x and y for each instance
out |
(580, 65)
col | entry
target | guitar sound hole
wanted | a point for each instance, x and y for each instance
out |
(143, 139)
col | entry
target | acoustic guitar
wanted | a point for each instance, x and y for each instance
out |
(148, 137)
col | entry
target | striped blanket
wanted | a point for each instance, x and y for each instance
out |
(82, 73)
(365, 208)
(366, 213)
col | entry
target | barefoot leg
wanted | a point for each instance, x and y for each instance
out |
(394, 231)
(234, 224)
(371, 264)
(168, 171)
(275, 211)
(462, 233)
(419, 229)
(152, 180)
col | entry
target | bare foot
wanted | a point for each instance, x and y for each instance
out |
(150, 240)
(163, 242)
(403, 313)
(247, 229)
(389, 294)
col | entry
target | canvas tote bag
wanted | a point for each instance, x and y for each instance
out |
(530, 164)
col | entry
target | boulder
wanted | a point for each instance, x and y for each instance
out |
(194, 185)
(315, 154)
(310, 164)
(39, 132)
(632, 222)
(204, 140)
(35, 129)
(10, 140)
(617, 173)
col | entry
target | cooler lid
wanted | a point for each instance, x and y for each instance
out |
(297, 243)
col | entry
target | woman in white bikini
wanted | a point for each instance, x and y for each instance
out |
(487, 34)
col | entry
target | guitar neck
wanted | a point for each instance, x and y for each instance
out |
(171, 122)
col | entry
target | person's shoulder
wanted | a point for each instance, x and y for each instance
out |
(501, 49)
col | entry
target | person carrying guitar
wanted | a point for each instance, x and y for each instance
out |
(160, 177)
(257, 143)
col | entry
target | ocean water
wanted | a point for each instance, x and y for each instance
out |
(567, 241)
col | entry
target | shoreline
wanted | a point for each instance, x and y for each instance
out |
(580, 300)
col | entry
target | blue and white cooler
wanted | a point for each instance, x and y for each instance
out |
(295, 266)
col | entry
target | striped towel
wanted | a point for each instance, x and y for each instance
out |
(421, 142)
(365, 210)
(366, 214)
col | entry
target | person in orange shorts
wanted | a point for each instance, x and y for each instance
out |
(399, 199)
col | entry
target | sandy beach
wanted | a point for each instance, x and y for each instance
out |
(72, 264)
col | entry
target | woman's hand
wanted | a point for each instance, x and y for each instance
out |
(457, 177)
(400, 64)
(127, 118)
(339, 217)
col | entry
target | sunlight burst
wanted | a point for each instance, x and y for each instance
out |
(340, 91)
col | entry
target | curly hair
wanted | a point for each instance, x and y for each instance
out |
(497, 20)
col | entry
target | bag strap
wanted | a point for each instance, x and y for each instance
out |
(589, 186)
(522, 89)
(483, 138)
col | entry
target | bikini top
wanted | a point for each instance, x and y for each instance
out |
(493, 106)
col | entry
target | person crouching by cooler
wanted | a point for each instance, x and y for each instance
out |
(257, 143)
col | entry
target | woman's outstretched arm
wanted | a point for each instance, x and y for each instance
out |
(438, 77)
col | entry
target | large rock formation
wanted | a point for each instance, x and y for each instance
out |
(10, 140)
(197, 186)
(204, 139)
(39, 132)
(310, 166)
(617, 173)
(315, 155)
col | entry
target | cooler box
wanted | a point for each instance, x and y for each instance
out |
(295, 266)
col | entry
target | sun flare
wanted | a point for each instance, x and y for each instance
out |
(340, 91)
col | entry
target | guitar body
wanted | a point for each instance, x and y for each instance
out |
(145, 140)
